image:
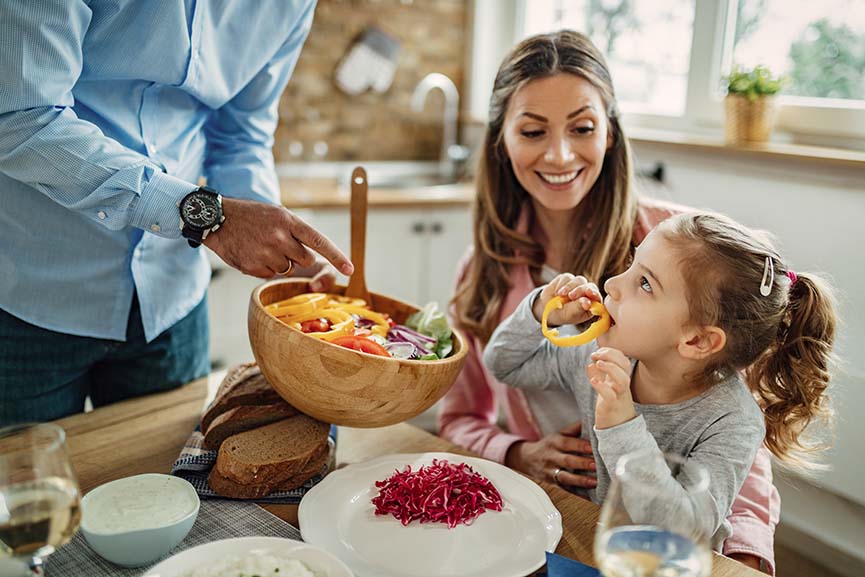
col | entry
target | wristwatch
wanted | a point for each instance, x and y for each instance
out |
(200, 214)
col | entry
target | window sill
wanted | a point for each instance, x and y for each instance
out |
(758, 150)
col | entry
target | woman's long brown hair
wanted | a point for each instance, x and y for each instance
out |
(603, 226)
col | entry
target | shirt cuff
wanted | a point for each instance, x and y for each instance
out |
(629, 437)
(750, 537)
(497, 448)
(156, 210)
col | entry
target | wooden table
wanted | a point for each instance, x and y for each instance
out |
(146, 435)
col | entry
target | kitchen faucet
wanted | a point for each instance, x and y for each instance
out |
(450, 151)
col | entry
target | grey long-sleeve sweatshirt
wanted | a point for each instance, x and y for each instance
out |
(721, 428)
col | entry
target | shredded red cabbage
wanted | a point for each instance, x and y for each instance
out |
(439, 493)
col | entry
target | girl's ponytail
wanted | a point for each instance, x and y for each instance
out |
(791, 376)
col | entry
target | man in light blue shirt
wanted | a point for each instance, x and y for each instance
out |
(110, 112)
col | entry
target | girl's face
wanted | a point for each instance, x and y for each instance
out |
(648, 303)
(556, 135)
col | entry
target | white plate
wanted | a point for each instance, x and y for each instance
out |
(338, 515)
(320, 562)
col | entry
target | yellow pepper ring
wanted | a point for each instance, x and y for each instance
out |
(298, 305)
(381, 323)
(595, 330)
(342, 323)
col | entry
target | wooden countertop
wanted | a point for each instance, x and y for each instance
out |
(327, 194)
(145, 435)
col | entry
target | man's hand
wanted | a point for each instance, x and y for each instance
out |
(263, 240)
(610, 376)
(322, 275)
(564, 450)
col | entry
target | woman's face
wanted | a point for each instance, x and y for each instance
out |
(556, 135)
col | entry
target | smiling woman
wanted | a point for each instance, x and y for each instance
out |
(556, 151)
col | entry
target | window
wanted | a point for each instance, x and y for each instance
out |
(647, 45)
(668, 57)
(818, 46)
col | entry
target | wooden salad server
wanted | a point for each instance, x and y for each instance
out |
(357, 281)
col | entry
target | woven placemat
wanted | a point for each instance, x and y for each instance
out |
(217, 519)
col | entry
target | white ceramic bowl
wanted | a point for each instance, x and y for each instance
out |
(319, 561)
(136, 520)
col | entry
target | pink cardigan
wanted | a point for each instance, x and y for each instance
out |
(470, 409)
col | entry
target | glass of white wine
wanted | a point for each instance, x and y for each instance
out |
(643, 532)
(39, 495)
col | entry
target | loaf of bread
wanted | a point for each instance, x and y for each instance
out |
(240, 419)
(244, 385)
(264, 444)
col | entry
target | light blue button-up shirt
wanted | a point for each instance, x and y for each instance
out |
(110, 111)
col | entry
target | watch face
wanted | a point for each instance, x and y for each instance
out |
(200, 210)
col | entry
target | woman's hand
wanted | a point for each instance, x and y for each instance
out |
(564, 450)
(578, 293)
(610, 376)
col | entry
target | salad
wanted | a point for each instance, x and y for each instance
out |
(349, 322)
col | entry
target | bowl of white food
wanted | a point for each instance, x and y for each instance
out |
(136, 520)
(262, 556)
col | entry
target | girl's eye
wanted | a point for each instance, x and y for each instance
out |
(645, 284)
(532, 133)
(584, 129)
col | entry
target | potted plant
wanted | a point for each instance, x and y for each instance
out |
(751, 105)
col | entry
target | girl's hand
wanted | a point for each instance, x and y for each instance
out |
(578, 293)
(610, 376)
(564, 450)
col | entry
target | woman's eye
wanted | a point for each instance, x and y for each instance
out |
(532, 133)
(584, 129)
(645, 284)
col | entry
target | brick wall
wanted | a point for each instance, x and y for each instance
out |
(372, 126)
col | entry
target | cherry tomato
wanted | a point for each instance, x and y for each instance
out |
(315, 326)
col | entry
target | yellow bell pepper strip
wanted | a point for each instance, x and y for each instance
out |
(298, 305)
(341, 323)
(381, 325)
(595, 330)
(336, 299)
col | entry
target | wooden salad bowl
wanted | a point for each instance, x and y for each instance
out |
(339, 385)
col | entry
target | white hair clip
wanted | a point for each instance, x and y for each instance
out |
(768, 277)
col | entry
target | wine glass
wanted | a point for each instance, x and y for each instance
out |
(39, 495)
(641, 532)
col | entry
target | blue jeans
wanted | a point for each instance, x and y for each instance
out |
(46, 375)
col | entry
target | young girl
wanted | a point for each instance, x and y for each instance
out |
(704, 299)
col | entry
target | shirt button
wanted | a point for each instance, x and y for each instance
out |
(155, 227)
(101, 214)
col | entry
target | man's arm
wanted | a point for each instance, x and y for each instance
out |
(44, 144)
(239, 161)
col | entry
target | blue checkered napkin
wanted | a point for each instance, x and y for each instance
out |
(195, 462)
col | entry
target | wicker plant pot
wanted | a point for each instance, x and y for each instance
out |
(748, 121)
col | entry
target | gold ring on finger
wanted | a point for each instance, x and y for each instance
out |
(287, 269)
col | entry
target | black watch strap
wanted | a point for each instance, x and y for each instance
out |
(193, 236)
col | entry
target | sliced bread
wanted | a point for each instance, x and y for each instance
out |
(228, 488)
(272, 453)
(243, 385)
(240, 419)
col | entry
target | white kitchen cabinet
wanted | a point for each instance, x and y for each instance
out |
(411, 255)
